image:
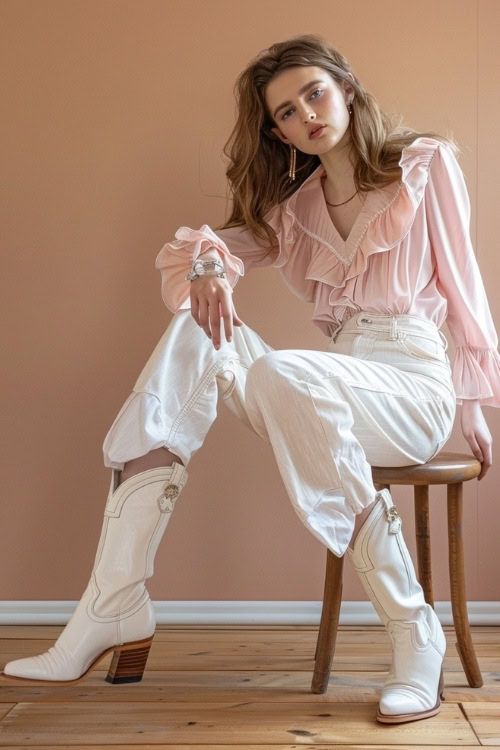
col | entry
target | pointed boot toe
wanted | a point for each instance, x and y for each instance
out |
(399, 704)
(28, 668)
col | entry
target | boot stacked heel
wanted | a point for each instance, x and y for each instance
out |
(128, 664)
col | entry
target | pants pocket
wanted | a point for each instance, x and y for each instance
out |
(421, 347)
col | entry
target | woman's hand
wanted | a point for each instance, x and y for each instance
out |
(210, 300)
(476, 432)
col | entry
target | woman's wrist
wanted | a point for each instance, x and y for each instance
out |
(472, 403)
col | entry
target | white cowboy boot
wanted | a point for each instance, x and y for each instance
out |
(115, 612)
(381, 558)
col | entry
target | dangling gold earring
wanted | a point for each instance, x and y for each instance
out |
(293, 159)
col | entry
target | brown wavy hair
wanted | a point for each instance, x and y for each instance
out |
(259, 161)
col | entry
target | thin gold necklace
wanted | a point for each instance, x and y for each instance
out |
(339, 204)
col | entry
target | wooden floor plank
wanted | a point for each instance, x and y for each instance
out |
(5, 708)
(485, 720)
(275, 687)
(225, 722)
(238, 654)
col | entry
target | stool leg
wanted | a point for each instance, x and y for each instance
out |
(464, 644)
(423, 536)
(327, 634)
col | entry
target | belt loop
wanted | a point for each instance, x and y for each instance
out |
(394, 329)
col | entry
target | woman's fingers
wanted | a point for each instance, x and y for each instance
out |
(486, 456)
(481, 448)
(195, 307)
(227, 308)
(211, 300)
(236, 319)
(204, 315)
(214, 315)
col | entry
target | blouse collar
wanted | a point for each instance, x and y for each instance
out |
(311, 193)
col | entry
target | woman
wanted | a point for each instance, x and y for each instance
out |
(369, 223)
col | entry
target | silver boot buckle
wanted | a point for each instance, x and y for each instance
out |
(394, 520)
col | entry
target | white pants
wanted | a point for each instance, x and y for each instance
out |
(381, 395)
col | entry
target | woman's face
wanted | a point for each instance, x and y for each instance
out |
(305, 90)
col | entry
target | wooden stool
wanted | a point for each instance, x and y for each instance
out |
(452, 469)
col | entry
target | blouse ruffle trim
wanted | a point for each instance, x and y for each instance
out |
(476, 375)
(172, 263)
(382, 230)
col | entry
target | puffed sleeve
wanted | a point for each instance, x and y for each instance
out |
(476, 365)
(237, 246)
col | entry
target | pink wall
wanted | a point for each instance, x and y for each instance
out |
(115, 114)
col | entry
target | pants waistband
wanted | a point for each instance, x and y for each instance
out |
(396, 325)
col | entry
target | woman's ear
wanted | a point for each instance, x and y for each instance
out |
(347, 87)
(278, 134)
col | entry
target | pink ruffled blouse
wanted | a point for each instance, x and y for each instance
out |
(409, 251)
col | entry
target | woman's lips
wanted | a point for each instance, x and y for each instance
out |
(317, 132)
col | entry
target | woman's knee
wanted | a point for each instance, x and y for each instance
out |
(281, 366)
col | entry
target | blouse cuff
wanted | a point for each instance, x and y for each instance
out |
(476, 375)
(176, 258)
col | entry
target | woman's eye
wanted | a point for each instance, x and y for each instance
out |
(289, 110)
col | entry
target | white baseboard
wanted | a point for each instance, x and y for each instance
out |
(237, 613)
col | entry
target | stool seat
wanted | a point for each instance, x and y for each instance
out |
(445, 468)
(452, 469)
